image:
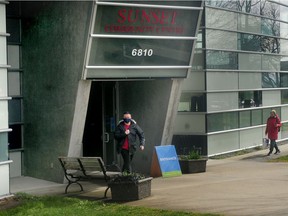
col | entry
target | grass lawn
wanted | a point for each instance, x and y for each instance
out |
(65, 206)
(280, 159)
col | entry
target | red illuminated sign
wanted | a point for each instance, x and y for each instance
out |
(135, 20)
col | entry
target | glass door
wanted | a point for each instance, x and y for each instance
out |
(109, 108)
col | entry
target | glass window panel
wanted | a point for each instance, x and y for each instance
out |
(284, 11)
(198, 60)
(15, 137)
(269, 44)
(221, 60)
(250, 99)
(3, 54)
(140, 52)
(192, 102)
(271, 98)
(244, 119)
(270, 27)
(249, 42)
(271, 62)
(284, 64)
(13, 28)
(252, 6)
(222, 101)
(14, 84)
(3, 114)
(13, 56)
(199, 42)
(284, 47)
(3, 147)
(228, 40)
(221, 80)
(15, 110)
(284, 79)
(270, 80)
(2, 18)
(270, 9)
(221, 19)
(250, 80)
(284, 96)
(13, 9)
(256, 117)
(222, 121)
(249, 61)
(249, 23)
(3, 82)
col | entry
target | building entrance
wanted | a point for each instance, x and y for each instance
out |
(98, 137)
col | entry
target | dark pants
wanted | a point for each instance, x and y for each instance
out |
(127, 158)
(273, 145)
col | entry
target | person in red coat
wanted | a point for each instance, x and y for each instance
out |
(272, 128)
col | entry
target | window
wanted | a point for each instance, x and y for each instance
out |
(270, 27)
(284, 79)
(15, 137)
(222, 121)
(221, 60)
(249, 99)
(270, 80)
(249, 42)
(284, 96)
(192, 102)
(228, 40)
(244, 119)
(3, 147)
(258, 43)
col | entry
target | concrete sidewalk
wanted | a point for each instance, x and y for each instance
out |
(242, 185)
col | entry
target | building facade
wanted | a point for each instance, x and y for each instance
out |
(239, 74)
(69, 69)
(73, 67)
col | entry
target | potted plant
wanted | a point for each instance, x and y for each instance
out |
(192, 162)
(130, 186)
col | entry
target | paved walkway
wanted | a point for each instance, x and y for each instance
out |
(242, 185)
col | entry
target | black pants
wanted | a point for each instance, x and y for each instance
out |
(273, 145)
(127, 158)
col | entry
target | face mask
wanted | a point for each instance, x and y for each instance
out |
(127, 120)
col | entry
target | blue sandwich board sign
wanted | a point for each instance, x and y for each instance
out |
(168, 161)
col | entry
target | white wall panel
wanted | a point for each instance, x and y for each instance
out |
(270, 98)
(224, 142)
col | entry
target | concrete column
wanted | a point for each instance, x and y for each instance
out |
(82, 100)
(173, 103)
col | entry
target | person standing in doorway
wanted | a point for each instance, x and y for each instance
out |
(126, 134)
(272, 127)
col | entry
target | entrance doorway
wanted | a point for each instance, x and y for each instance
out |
(98, 137)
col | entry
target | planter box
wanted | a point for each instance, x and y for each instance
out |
(127, 191)
(193, 166)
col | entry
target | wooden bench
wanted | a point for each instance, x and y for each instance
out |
(86, 169)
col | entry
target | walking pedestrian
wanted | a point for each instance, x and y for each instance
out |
(272, 128)
(126, 134)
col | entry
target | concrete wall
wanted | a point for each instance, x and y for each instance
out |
(147, 101)
(54, 42)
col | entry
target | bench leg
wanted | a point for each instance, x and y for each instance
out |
(70, 183)
(105, 194)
